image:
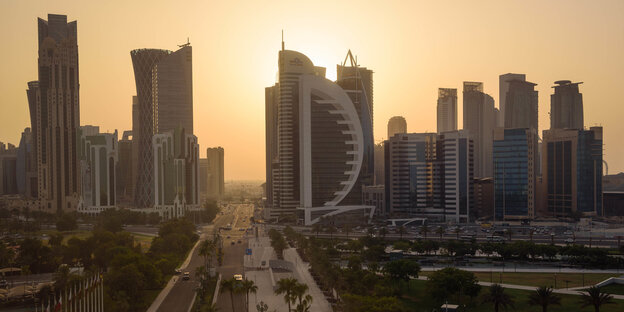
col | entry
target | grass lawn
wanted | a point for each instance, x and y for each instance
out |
(541, 279)
(144, 240)
(569, 303)
(616, 289)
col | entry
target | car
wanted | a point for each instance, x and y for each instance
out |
(239, 241)
(233, 243)
(178, 271)
(227, 236)
(238, 277)
(186, 276)
(569, 240)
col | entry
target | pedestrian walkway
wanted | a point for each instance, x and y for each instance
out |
(319, 303)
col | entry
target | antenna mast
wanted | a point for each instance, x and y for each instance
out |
(282, 40)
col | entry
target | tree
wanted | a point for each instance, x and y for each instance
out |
(594, 297)
(401, 231)
(262, 307)
(440, 231)
(206, 250)
(424, 230)
(544, 296)
(248, 286)
(402, 270)
(449, 282)
(457, 231)
(317, 228)
(230, 285)
(56, 239)
(305, 300)
(287, 286)
(498, 297)
(383, 232)
(66, 222)
(347, 229)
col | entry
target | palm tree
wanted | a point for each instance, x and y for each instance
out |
(347, 229)
(440, 231)
(401, 231)
(232, 286)
(543, 296)
(300, 291)
(262, 307)
(457, 231)
(206, 249)
(594, 297)
(209, 308)
(316, 228)
(383, 232)
(248, 286)
(424, 230)
(287, 286)
(498, 297)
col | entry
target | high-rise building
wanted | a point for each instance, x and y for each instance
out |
(98, 164)
(430, 175)
(379, 163)
(204, 175)
(320, 145)
(479, 119)
(165, 101)
(447, 110)
(503, 87)
(271, 103)
(8, 169)
(26, 166)
(176, 173)
(216, 176)
(483, 198)
(357, 82)
(515, 173)
(572, 171)
(566, 106)
(396, 124)
(54, 104)
(521, 105)
(125, 169)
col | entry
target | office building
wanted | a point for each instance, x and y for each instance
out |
(125, 170)
(176, 173)
(430, 175)
(515, 173)
(54, 103)
(396, 124)
(572, 171)
(503, 87)
(483, 198)
(271, 103)
(26, 166)
(8, 169)
(479, 119)
(204, 174)
(447, 110)
(216, 182)
(379, 163)
(374, 195)
(613, 203)
(566, 106)
(164, 88)
(521, 105)
(320, 146)
(98, 164)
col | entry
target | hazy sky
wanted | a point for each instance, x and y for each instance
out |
(413, 49)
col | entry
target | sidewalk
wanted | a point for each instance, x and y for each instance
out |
(319, 303)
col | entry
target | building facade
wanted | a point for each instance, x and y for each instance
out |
(566, 106)
(479, 119)
(396, 124)
(54, 104)
(98, 154)
(125, 170)
(483, 198)
(521, 109)
(515, 174)
(26, 166)
(503, 87)
(374, 195)
(430, 175)
(216, 175)
(271, 103)
(176, 173)
(572, 171)
(8, 169)
(447, 110)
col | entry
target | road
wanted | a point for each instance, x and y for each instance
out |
(182, 293)
(234, 253)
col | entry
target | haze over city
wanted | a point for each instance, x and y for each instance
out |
(413, 49)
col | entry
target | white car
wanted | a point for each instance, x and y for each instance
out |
(569, 240)
(238, 277)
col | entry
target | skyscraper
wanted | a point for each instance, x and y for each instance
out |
(125, 169)
(357, 82)
(447, 110)
(566, 106)
(8, 169)
(521, 105)
(271, 103)
(26, 166)
(320, 145)
(216, 183)
(54, 104)
(515, 173)
(396, 124)
(165, 101)
(479, 119)
(503, 87)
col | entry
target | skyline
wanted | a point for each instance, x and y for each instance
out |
(408, 72)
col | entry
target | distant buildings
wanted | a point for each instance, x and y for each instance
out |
(566, 106)
(521, 105)
(176, 173)
(515, 174)
(374, 195)
(430, 175)
(215, 186)
(98, 154)
(125, 170)
(271, 105)
(447, 110)
(55, 114)
(484, 198)
(572, 171)
(503, 87)
(165, 101)
(320, 142)
(396, 124)
(479, 119)
(26, 166)
(8, 169)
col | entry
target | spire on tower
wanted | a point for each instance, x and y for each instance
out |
(282, 40)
